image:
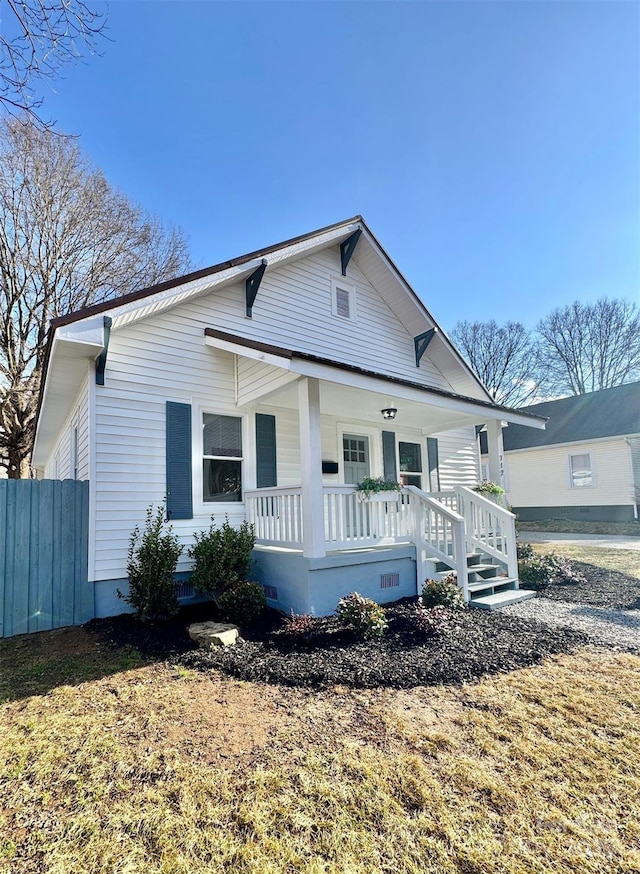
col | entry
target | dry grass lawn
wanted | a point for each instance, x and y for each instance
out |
(162, 771)
(626, 561)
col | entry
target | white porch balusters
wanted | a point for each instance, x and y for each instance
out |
(313, 542)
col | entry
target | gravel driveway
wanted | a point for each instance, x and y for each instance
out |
(619, 628)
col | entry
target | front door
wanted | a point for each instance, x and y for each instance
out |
(355, 452)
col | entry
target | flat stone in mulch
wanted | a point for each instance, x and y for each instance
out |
(479, 644)
(604, 588)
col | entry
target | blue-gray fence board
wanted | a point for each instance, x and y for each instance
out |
(43, 555)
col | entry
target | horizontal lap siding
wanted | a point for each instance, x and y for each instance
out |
(458, 459)
(164, 358)
(293, 310)
(540, 477)
(59, 464)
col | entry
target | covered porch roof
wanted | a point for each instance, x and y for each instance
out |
(363, 393)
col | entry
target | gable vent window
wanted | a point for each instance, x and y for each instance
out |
(343, 300)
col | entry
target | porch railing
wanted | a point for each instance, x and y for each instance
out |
(444, 526)
(489, 527)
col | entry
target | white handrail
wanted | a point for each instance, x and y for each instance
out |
(439, 532)
(489, 527)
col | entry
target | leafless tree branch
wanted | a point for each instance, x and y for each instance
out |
(67, 239)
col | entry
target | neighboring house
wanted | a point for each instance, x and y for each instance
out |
(265, 388)
(584, 465)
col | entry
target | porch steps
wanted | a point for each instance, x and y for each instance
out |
(488, 587)
(501, 599)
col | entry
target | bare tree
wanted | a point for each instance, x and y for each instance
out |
(501, 357)
(37, 39)
(67, 239)
(588, 347)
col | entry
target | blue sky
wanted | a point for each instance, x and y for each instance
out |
(493, 147)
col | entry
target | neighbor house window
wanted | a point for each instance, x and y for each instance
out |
(410, 464)
(222, 458)
(343, 300)
(580, 470)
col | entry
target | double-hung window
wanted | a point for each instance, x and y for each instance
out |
(410, 456)
(580, 470)
(222, 458)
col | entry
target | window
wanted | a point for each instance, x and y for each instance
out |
(410, 464)
(343, 300)
(580, 470)
(222, 458)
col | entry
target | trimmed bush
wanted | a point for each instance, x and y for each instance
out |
(538, 572)
(443, 593)
(151, 568)
(524, 551)
(429, 621)
(242, 602)
(361, 615)
(222, 557)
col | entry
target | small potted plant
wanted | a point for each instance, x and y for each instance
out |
(490, 490)
(378, 488)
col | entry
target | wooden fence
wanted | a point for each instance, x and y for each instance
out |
(43, 555)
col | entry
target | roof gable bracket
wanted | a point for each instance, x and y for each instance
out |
(422, 341)
(101, 360)
(252, 285)
(347, 248)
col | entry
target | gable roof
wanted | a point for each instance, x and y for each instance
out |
(77, 337)
(612, 412)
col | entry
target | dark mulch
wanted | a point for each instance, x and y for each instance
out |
(604, 588)
(478, 644)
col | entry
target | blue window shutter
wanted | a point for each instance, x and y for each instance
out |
(266, 469)
(389, 455)
(432, 458)
(179, 491)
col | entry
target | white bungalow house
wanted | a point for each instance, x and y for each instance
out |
(265, 388)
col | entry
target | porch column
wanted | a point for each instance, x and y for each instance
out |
(313, 545)
(496, 452)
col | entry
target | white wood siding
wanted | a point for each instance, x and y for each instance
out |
(164, 357)
(59, 465)
(634, 445)
(293, 310)
(540, 477)
(458, 459)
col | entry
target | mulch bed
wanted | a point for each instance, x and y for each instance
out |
(479, 643)
(604, 588)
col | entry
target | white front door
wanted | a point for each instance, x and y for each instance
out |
(355, 454)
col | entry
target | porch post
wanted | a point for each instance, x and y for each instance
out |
(496, 452)
(313, 545)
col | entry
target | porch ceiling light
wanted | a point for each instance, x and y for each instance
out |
(389, 413)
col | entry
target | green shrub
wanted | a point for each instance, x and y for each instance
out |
(429, 621)
(361, 615)
(242, 602)
(151, 567)
(486, 487)
(443, 593)
(222, 557)
(524, 551)
(538, 572)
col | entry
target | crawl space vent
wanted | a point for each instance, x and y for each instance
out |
(389, 581)
(271, 593)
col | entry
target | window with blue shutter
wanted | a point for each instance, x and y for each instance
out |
(266, 468)
(179, 491)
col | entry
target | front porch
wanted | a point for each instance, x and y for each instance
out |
(383, 547)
